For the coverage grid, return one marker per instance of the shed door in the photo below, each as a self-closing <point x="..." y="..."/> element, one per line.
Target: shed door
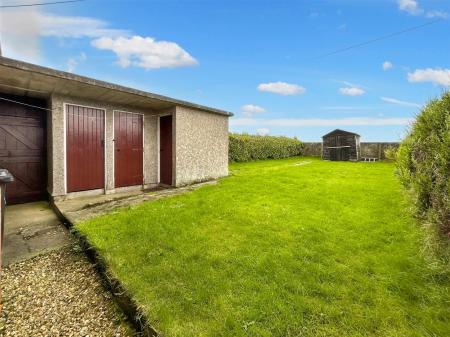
<point x="128" y="149"/>
<point x="333" y="154"/>
<point x="85" y="148"/>
<point x="165" y="134"/>
<point x="345" y="154"/>
<point x="23" y="151"/>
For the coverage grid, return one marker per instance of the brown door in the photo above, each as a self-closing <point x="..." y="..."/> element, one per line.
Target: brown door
<point x="85" y="148"/>
<point x="165" y="157"/>
<point x="334" y="154"/>
<point x="128" y="149"/>
<point x="23" y="150"/>
<point x="345" y="154"/>
<point x="334" y="151"/>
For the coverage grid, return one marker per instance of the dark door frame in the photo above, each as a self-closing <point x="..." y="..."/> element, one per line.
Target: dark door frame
<point x="160" y="159"/>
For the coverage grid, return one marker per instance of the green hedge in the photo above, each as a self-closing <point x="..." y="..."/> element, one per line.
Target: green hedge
<point x="423" y="162"/>
<point x="245" y="147"/>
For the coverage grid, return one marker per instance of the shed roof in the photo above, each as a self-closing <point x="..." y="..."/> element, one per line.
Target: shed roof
<point x="339" y="131"/>
<point x="22" y="78"/>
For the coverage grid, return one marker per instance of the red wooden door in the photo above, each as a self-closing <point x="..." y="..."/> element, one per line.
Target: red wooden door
<point x="23" y="150"/>
<point x="165" y="157"/>
<point x="85" y="148"/>
<point x="128" y="149"/>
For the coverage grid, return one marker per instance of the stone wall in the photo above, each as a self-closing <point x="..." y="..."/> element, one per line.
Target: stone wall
<point x="368" y="149"/>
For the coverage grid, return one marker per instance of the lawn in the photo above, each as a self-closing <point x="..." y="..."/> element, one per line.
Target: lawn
<point x="295" y="247"/>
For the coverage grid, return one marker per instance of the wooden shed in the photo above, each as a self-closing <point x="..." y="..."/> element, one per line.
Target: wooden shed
<point x="341" y="145"/>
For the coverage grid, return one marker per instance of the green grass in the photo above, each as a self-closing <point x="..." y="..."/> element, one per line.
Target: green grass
<point x="278" y="249"/>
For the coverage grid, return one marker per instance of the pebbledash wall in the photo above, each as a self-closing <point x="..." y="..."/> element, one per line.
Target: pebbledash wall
<point x="200" y="145"/>
<point x="368" y="149"/>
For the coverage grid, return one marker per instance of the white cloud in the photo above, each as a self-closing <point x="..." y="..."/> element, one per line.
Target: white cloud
<point x="387" y="65"/>
<point x="76" y="27"/>
<point x="399" y="102"/>
<point x="344" y="107"/>
<point x="146" y="52"/>
<point x="21" y="30"/>
<point x="249" y="109"/>
<point x="282" y="88"/>
<point x="352" y="91"/>
<point x="19" y="37"/>
<point x="262" y="131"/>
<point x="436" y="76"/>
<point x="73" y="62"/>
<point x="342" y="26"/>
<point x="412" y="7"/>
<point x="350" y="84"/>
<point x="437" y="14"/>
<point x="298" y="122"/>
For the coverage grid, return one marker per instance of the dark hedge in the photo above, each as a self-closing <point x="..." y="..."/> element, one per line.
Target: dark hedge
<point x="243" y="147"/>
<point x="423" y="162"/>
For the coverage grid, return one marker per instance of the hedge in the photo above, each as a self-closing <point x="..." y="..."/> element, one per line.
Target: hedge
<point x="244" y="147"/>
<point x="423" y="162"/>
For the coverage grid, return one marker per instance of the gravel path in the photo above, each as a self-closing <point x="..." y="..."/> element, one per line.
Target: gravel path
<point x="57" y="294"/>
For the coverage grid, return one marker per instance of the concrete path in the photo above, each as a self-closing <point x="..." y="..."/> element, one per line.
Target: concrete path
<point x="81" y="209"/>
<point x="31" y="229"/>
<point x="34" y="228"/>
<point x="48" y="286"/>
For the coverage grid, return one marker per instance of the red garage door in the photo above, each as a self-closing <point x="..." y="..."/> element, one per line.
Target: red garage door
<point x="128" y="149"/>
<point x="23" y="149"/>
<point x="85" y="148"/>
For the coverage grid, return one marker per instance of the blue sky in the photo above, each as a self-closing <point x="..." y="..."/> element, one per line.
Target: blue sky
<point x="257" y="59"/>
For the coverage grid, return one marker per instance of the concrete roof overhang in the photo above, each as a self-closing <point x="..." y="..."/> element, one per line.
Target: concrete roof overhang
<point x="25" y="79"/>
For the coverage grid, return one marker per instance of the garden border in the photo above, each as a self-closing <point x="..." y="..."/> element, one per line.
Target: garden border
<point x="111" y="284"/>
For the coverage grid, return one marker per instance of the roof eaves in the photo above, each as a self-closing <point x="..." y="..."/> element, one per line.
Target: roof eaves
<point x="339" y="130"/>
<point x="107" y="85"/>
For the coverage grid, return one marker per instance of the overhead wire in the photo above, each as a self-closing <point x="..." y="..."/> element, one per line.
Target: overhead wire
<point x="25" y="104"/>
<point x="380" y="38"/>
<point x="337" y="51"/>
<point x="40" y="4"/>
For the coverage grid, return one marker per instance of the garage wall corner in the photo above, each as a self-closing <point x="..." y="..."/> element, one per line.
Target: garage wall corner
<point x="56" y="147"/>
<point x="201" y="146"/>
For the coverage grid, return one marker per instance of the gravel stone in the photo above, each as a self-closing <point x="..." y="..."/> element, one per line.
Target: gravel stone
<point x="58" y="294"/>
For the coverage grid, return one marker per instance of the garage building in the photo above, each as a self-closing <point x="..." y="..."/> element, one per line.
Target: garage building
<point x="64" y="135"/>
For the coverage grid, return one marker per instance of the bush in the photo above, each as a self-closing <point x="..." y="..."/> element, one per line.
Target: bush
<point x="423" y="162"/>
<point x="243" y="147"/>
<point x="390" y="153"/>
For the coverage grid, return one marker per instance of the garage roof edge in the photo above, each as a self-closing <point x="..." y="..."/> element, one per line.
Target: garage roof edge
<point x="4" y="61"/>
